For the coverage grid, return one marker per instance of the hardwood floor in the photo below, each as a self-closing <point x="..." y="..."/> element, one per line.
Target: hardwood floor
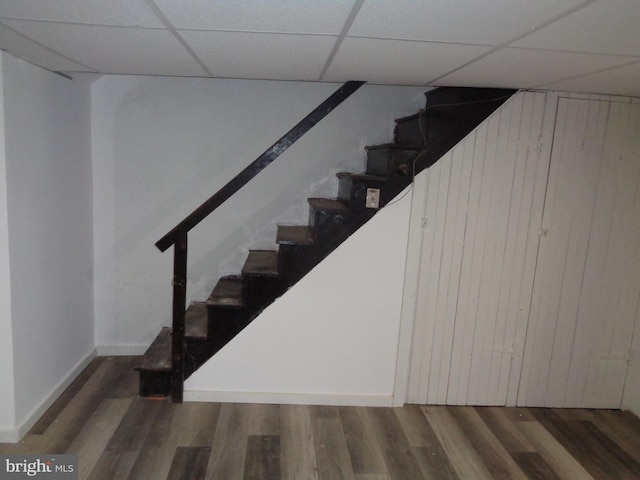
<point x="120" y="436"/>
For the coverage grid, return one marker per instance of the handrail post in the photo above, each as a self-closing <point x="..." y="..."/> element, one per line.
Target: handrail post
<point x="179" y="304"/>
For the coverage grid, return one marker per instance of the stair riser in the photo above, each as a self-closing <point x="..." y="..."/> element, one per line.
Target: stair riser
<point x="330" y="226"/>
<point x="355" y="192"/>
<point x="390" y="162"/>
<point x="154" y="383"/>
<point x="298" y="260"/>
<point x="196" y="353"/>
<point x="223" y="324"/>
<point x="262" y="291"/>
<point x="412" y="131"/>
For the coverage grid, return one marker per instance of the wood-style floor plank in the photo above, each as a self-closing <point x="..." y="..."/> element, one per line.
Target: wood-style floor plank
<point x="398" y="456"/>
<point x="553" y="452"/>
<point x="157" y="452"/>
<point x="189" y="463"/>
<point x="464" y="458"/>
<point x="95" y="435"/>
<point x="494" y="456"/>
<point x="621" y="427"/>
<point x="264" y="419"/>
<point x="505" y="429"/>
<point x="365" y="454"/>
<point x="118" y="435"/>
<point x="600" y="456"/>
<point x="197" y="423"/>
<point x="298" y="455"/>
<point x="67" y="396"/>
<point x="332" y="453"/>
<point x="263" y="458"/>
<point x="229" y="447"/>
<point x="425" y="444"/>
<point x="534" y="466"/>
<point x="123" y="448"/>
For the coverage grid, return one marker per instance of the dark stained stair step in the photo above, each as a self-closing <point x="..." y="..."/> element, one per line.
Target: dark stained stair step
<point x="328" y="205"/>
<point x="353" y="188"/>
<point x="158" y="355"/>
<point x="228" y="292"/>
<point x="195" y="322"/>
<point x="294" y="235"/>
<point x="261" y="263"/>
<point x="391" y="160"/>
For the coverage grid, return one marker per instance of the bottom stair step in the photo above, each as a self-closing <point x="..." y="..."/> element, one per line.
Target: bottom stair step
<point x="158" y="355"/>
<point x="155" y="368"/>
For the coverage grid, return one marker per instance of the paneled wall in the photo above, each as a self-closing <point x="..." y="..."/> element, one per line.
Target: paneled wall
<point x="482" y="214"/>
<point x="585" y="297"/>
<point x="510" y="307"/>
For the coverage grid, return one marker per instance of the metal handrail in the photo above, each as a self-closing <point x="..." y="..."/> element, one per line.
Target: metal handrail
<point x="177" y="236"/>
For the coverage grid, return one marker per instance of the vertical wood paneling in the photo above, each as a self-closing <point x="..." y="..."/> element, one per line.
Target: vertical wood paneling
<point x="535" y="186"/>
<point x="478" y="255"/>
<point x="587" y="282"/>
<point x="572" y="179"/>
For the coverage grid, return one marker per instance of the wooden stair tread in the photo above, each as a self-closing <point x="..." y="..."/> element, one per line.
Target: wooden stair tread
<point x="328" y="205"/>
<point x="363" y="177"/>
<point x="294" y="235"/>
<point x="195" y="321"/>
<point x="158" y="355"/>
<point x="261" y="263"/>
<point x="228" y="292"/>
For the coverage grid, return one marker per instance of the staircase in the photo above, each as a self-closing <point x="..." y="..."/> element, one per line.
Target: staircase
<point x="419" y="141"/>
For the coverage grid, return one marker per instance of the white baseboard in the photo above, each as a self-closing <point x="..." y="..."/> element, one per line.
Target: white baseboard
<point x="289" y="398"/>
<point x="121" y="350"/>
<point x="14" y="436"/>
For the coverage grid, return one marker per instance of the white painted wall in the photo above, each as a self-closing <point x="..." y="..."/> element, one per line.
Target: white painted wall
<point x="7" y="399"/>
<point x="49" y="204"/>
<point x="161" y="146"/>
<point x="333" y="338"/>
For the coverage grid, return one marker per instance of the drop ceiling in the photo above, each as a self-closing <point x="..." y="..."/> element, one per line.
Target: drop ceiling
<point x="572" y="45"/>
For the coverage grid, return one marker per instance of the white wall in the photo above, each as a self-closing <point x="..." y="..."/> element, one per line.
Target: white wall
<point x="161" y="146"/>
<point x="7" y="400"/>
<point x="333" y="338"/>
<point x="48" y="174"/>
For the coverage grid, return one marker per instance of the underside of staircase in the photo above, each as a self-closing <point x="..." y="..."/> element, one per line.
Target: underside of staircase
<point x="419" y="141"/>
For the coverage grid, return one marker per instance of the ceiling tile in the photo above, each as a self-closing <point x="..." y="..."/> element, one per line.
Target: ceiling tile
<point x="113" y="49"/>
<point x="397" y="61"/>
<point x="282" y="16"/>
<point x="488" y="22"/>
<point x="30" y="51"/>
<point x="97" y="12"/>
<point x="618" y="81"/>
<point x="523" y="68"/>
<point x="607" y="26"/>
<point x="261" y="55"/>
